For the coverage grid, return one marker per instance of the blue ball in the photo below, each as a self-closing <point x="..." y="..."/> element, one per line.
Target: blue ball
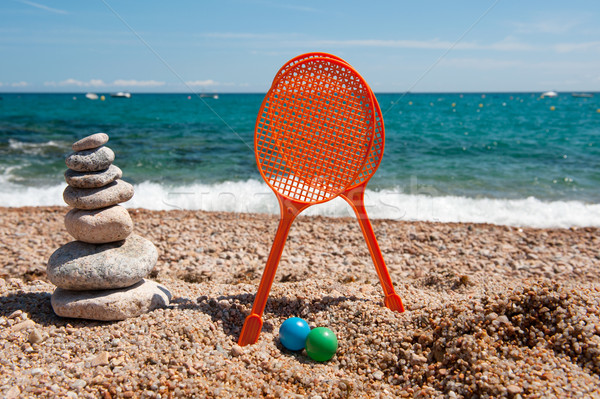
<point x="293" y="333"/>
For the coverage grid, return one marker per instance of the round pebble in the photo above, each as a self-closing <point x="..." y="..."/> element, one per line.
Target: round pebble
<point x="93" y="179"/>
<point x="99" y="226"/>
<point x="91" y="160"/>
<point x="35" y="337"/>
<point x="321" y="344"/>
<point x="293" y="333"/>
<point x="95" y="198"/>
<point x="89" y="142"/>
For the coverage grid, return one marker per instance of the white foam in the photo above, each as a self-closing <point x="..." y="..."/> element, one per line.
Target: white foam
<point x="256" y="197"/>
<point x="33" y="148"/>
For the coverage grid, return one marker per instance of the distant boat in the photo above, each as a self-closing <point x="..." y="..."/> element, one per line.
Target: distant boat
<point x="549" y="94"/>
<point x="205" y="95"/>
<point x="91" y="96"/>
<point x="582" y="95"/>
<point x="121" y="94"/>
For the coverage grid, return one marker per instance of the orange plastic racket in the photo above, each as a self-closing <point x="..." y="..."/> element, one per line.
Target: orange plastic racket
<point x="355" y="196"/>
<point x="355" y="193"/>
<point x="312" y="137"/>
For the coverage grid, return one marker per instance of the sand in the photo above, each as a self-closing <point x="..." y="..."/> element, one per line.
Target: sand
<point x="492" y="311"/>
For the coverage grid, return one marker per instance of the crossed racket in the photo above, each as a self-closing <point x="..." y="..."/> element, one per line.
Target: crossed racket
<point x="319" y="134"/>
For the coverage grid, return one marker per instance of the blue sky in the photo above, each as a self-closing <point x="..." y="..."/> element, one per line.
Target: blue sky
<point x="237" y="46"/>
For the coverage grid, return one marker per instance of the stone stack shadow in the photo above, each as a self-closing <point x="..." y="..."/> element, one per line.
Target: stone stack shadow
<point x="101" y="276"/>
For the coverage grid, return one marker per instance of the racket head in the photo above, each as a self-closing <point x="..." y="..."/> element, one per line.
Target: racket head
<point x="376" y="154"/>
<point x="303" y="57"/>
<point x="314" y="130"/>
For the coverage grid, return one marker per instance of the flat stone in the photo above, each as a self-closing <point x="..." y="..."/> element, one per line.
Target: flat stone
<point x="24" y="325"/>
<point x="514" y="389"/>
<point x="93" y="179"/>
<point x="12" y="393"/>
<point x="101" y="197"/>
<point x="100" y="360"/>
<point x="16" y="314"/>
<point x="109" y="305"/>
<point x="82" y="266"/>
<point x="99" y="226"/>
<point x="91" y="160"/>
<point x="89" y="142"/>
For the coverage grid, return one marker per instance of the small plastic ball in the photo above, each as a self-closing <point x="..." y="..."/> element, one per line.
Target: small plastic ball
<point x="293" y="333"/>
<point x="321" y="344"/>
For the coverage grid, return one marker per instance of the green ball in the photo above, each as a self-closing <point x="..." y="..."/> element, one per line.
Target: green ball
<point x="321" y="344"/>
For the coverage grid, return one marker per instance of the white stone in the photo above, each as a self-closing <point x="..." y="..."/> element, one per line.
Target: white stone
<point x="99" y="226"/>
<point x="111" y="305"/>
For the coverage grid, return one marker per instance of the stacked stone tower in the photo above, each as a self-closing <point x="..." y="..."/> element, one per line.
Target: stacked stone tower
<point x="101" y="276"/>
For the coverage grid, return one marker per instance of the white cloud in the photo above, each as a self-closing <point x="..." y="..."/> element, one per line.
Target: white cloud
<point x="555" y="67"/>
<point x="137" y="83"/>
<point x="78" y="83"/>
<point x="508" y="44"/>
<point x="288" y="6"/>
<point x="420" y="44"/>
<point x="240" y="35"/>
<point x="547" y="26"/>
<point x="207" y="82"/>
<point x="101" y="83"/>
<point x="43" y="7"/>
<point x="480" y="63"/>
<point x="585" y="46"/>
<point x="19" y="84"/>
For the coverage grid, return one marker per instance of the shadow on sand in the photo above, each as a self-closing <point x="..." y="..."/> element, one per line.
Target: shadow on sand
<point x="231" y="310"/>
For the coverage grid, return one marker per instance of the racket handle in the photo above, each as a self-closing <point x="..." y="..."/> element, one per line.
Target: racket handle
<point x="253" y="323"/>
<point x="355" y="197"/>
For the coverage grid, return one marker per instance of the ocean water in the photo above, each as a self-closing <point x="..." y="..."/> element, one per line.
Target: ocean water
<point x="510" y="158"/>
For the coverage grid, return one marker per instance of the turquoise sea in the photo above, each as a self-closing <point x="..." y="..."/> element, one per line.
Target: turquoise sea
<point x="504" y="158"/>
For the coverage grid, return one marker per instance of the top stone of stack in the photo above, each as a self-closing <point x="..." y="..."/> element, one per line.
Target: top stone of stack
<point x="90" y="142"/>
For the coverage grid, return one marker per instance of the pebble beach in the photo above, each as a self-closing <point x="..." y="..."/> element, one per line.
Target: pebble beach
<point x="491" y="311"/>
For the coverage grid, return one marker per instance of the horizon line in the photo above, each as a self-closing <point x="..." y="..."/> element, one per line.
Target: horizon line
<point x="264" y="92"/>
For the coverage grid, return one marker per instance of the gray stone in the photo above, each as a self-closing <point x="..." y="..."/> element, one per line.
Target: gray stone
<point x="91" y="160"/>
<point x="108" y="305"/>
<point x="82" y="266"/>
<point x="93" y="179"/>
<point x="101" y="197"/>
<point x="99" y="226"/>
<point x="89" y="142"/>
<point x="35" y="337"/>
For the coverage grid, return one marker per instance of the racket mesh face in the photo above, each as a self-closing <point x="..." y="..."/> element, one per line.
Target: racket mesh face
<point x="376" y="153"/>
<point x="314" y="130"/>
<point x="301" y="58"/>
